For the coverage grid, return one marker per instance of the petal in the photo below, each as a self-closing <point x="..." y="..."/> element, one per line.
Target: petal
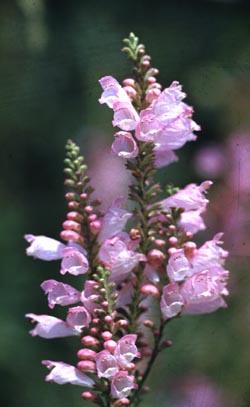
<point x="62" y="373"/>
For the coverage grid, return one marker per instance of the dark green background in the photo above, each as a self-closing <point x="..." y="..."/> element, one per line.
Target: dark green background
<point x="52" y="54"/>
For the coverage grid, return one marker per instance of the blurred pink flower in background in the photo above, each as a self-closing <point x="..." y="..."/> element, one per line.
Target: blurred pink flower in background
<point x="231" y="203"/>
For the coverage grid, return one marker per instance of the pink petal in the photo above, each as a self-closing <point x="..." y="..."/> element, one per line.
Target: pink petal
<point x="50" y="327"/>
<point x="44" y="248"/>
<point x="63" y="373"/>
<point x="124" y="145"/>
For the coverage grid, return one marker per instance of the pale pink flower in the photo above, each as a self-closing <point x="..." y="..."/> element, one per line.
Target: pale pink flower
<point x="44" y="248"/>
<point x="50" y="327"/>
<point x="171" y="301"/>
<point x="122" y="384"/>
<point x="114" y="220"/>
<point x="90" y="296"/>
<point x="202" y="293"/>
<point x="163" y="157"/>
<point x="74" y="262"/>
<point x="190" y="198"/>
<point x="191" y="221"/>
<point x="62" y="373"/>
<point x="126" y="350"/>
<point x="178" y="267"/>
<point x="114" y="253"/>
<point x="78" y="318"/>
<point x="209" y="254"/>
<point x="106" y="364"/>
<point x="59" y="293"/>
<point x="125" y="115"/>
<point x="124" y="145"/>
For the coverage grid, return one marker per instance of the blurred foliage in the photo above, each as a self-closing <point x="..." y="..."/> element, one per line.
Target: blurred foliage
<point x="52" y="54"/>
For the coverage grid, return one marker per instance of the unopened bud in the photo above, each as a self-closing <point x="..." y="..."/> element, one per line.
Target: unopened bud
<point x="146" y="352"/>
<point x="172" y="228"/>
<point x="122" y="323"/>
<point x="148" y="323"/>
<point x="95" y="226"/>
<point x="172" y="250"/>
<point x="189" y="248"/>
<point x="86" y="366"/>
<point x="145" y="63"/>
<point x="121" y="402"/>
<point x="86" y="354"/>
<point x="73" y="205"/>
<point x="150" y="289"/>
<point x="131" y="92"/>
<point x="156" y="257"/>
<point x="94" y="330"/>
<point x="159" y="242"/>
<point x="89" y="340"/>
<point x="173" y="240"/>
<point x="110" y="345"/>
<point x="89" y="395"/>
<point x="108" y="319"/>
<point x="134" y="234"/>
<point x="75" y="216"/>
<point x="71" y="235"/>
<point x="128" y="82"/>
<point x="83" y="196"/>
<point x="72" y="225"/>
<point x="151" y="79"/>
<point x="88" y="209"/>
<point x="106" y="335"/>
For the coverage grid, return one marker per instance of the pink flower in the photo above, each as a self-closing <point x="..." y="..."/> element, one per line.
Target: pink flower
<point x="125" y="115"/>
<point x="122" y="384"/>
<point x="190" y="198"/>
<point x="202" y="293"/>
<point x="209" y="254"/>
<point x="191" y="221"/>
<point x="126" y="350"/>
<point x="59" y="293"/>
<point x="114" y="253"/>
<point x="50" y="327"/>
<point x="124" y="145"/>
<point x="90" y="296"/>
<point x="171" y="301"/>
<point x="74" y="262"/>
<point x="164" y="157"/>
<point x="78" y="318"/>
<point x="62" y="373"/>
<point x="178" y="267"/>
<point x="44" y="248"/>
<point x="106" y="364"/>
<point x="114" y="220"/>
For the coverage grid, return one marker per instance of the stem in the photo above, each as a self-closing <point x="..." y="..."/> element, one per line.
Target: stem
<point x="135" y="399"/>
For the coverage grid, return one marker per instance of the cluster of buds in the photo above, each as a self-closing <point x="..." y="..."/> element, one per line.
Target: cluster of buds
<point x="130" y="259"/>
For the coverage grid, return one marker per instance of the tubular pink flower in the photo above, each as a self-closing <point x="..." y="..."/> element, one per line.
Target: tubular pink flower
<point x="78" y="318"/>
<point x="114" y="220"/>
<point x="171" y="301"/>
<point x="125" y="116"/>
<point x="106" y="364"/>
<point x="124" y="145"/>
<point x="49" y="327"/>
<point x="74" y="262"/>
<point x="122" y="384"/>
<point x="178" y="267"/>
<point x="191" y="221"/>
<point x="59" y="293"/>
<point x="44" y="248"/>
<point x="202" y="293"/>
<point x="190" y="198"/>
<point x="90" y="296"/>
<point x="62" y="373"/>
<point x="126" y="350"/>
<point x="114" y="253"/>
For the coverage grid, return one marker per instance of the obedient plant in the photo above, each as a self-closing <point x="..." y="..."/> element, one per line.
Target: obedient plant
<point x="128" y="261"/>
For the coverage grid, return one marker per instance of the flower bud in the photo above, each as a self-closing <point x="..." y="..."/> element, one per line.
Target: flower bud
<point x="73" y="205"/>
<point x="108" y="319"/>
<point x="150" y="289"/>
<point x="89" y="340"/>
<point x="173" y="240"/>
<point x="75" y="216"/>
<point x="89" y="395"/>
<point x="128" y="82"/>
<point x="83" y="196"/>
<point x="71" y="235"/>
<point x="86" y="366"/>
<point x="86" y="354"/>
<point x="72" y="225"/>
<point x="106" y="335"/>
<point x="156" y="257"/>
<point x="110" y="345"/>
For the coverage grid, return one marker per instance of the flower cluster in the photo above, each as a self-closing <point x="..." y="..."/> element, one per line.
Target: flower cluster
<point x="129" y="259"/>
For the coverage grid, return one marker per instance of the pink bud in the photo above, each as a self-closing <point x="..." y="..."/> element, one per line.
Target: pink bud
<point x="131" y="92"/>
<point x="172" y="228"/>
<point x="75" y="216"/>
<point x="70" y="196"/>
<point x="88" y="209"/>
<point x="110" y="345"/>
<point x="105" y="304"/>
<point x="96" y="321"/>
<point x="83" y="196"/>
<point x="86" y="366"/>
<point x="73" y="205"/>
<point x="151" y="79"/>
<point x="72" y="225"/>
<point x="148" y="323"/>
<point x="106" y="335"/>
<point x="86" y="354"/>
<point x="146" y="352"/>
<point x="189" y="248"/>
<point x="145" y="64"/>
<point x="94" y="330"/>
<point x="71" y="235"/>
<point x="108" y="319"/>
<point x="128" y="82"/>
<point x="172" y="250"/>
<point x="159" y="242"/>
<point x="155" y="257"/>
<point x="95" y="226"/>
<point x="150" y="289"/>
<point x="122" y="323"/>
<point x="89" y="340"/>
<point x="89" y="395"/>
<point x="122" y="402"/>
<point x="92" y="217"/>
<point x="173" y="240"/>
